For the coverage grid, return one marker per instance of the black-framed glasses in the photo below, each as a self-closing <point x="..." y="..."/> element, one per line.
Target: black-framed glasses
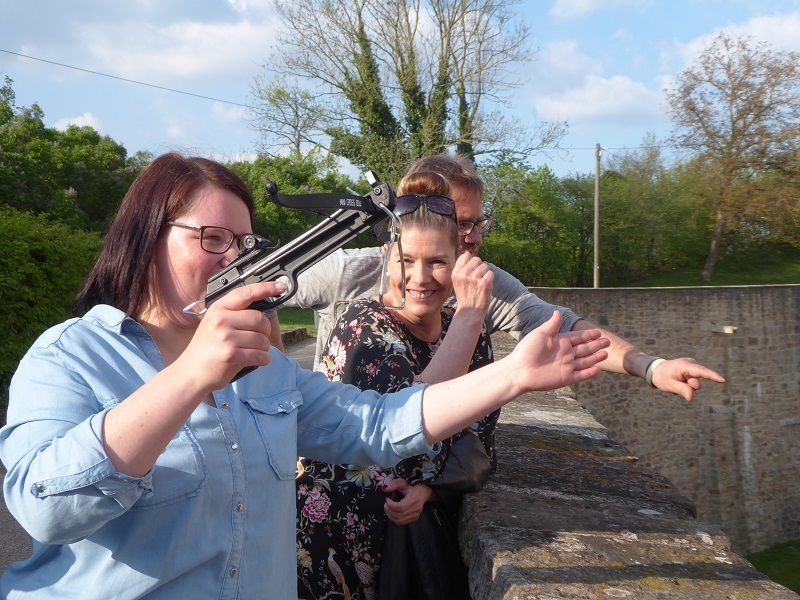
<point x="441" y="205"/>
<point x="483" y="224"/>
<point x="213" y="239"/>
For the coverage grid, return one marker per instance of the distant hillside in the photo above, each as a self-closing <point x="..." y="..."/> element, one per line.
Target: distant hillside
<point x="763" y="265"/>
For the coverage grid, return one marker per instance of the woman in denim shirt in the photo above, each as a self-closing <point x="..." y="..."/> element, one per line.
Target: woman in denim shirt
<point x="135" y="465"/>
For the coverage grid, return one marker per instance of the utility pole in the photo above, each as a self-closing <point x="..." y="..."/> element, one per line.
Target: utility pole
<point x="597" y="154"/>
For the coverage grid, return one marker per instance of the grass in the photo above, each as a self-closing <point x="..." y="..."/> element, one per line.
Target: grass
<point x="758" y="266"/>
<point x="294" y="318"/>
<point x="780" y="563"/>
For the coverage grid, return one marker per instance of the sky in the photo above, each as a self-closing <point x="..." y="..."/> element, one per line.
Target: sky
<point x="599" y="65"/>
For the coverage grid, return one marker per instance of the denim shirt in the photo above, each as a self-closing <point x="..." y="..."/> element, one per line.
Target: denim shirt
<point x="215" y="517"/>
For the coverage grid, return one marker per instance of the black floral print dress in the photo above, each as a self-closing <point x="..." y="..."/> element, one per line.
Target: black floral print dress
<point x="340" y="518"/>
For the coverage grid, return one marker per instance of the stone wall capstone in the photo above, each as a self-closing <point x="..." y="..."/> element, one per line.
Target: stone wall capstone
<point x="571" y="513"/>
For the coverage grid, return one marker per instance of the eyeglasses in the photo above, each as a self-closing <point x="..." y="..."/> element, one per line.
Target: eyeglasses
<point x="441" y="205"/>
<point x="483" y="224"/>
<point x="216" y="240"/>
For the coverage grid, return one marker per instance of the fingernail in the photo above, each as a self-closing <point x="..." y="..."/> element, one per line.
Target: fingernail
<point x="281" y="286"/>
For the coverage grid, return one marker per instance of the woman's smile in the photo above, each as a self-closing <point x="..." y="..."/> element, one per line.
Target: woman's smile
<point x="419" y="294"/>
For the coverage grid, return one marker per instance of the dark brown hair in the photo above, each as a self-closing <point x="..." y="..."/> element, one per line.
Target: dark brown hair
<point x="163" y="191"/>
<point x="428" y="183"/>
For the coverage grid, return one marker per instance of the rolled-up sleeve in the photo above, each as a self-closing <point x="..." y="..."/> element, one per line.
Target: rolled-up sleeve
<point x="517" y="311"/>
<point x="338" y="423"/>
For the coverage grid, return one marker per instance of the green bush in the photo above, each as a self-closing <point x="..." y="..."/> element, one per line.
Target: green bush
<point x="42" y="266"/>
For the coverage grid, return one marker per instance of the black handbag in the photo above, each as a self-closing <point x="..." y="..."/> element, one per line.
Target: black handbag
<point x="421" y="560"/>
<point x="467" y="467"/>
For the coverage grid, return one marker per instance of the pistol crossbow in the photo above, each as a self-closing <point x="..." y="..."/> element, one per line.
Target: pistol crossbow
<point x="258" y="261"/>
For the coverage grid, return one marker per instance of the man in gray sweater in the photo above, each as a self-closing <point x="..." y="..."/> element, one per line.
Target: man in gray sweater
<point x="348" y="274"/>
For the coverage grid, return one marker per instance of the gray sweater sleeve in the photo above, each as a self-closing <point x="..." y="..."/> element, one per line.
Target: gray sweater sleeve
<point x="516" y="310"/>
<point x="334" y="281"/>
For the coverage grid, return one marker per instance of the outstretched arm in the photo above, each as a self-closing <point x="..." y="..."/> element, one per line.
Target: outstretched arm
<point x="681" y="376"/>
<point x="516" y="310"/>
<point x="543" y="360"/>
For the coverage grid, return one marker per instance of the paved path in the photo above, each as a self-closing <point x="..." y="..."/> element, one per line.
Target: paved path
<point x="16" y="545"/>
<point x="303" y="351"/>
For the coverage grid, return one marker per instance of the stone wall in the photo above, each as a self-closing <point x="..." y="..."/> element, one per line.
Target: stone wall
<point x="735" y="451"/>
<point x="572" y="514"/>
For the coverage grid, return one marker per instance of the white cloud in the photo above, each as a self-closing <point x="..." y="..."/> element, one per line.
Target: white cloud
<point x="226" y="114"/>
<point x="559" y="66"/>
<point x="252" y="6"/>
<point x="562" y="61"/>
<point x="175" y="129"/>
<point x="781" y="31"/>
<point x="570" y="85"/>
<point x="179" y="51"/>
<point x="84" y="120"/>
<point x="617" y="99"/>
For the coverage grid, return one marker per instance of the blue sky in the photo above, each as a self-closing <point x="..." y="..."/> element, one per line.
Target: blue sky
<point x="600" y="65"/>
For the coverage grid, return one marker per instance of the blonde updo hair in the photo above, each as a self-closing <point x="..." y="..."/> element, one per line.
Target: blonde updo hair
<point x="428" y="183"/>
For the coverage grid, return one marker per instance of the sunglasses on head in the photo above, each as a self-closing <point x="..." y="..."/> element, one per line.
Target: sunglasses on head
<point x="441" y="205"/>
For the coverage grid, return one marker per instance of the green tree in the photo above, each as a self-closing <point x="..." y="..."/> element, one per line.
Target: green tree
<point x="27" y="168"/>
<point x="287" y="117"/>
<point x="577" y="217"/>
<point x="94" y="171"/>
<point x="530" y="238"/>
<point x="736" y="113"/>
<point x="42" y="266"/>
<point x="293" y="174"/>
<point x="77" y="176"/>
<point x="388" y="82"/>
<point x="650" y="217"/>
<point x="7" y="99"/>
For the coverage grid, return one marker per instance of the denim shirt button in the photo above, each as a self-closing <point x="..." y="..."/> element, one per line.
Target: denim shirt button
<point x="234" y="571"/>
<point x="225" y="405"/>
<point x="234" y="446"/>
<point x="239" y="506"/>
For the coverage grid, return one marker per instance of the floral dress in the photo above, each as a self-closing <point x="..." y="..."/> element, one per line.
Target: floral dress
<point x="340" y="518"/>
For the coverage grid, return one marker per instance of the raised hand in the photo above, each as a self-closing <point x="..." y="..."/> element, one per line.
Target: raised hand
<point x="546" y="359"/>
<point x="543" y="360"/>
<point x="230" y="336"/>
<point x="472" y="283"/>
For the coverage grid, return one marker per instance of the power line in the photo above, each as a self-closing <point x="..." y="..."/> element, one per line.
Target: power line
<point x="152" y="85"/>
<point x="232" y="103"/>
